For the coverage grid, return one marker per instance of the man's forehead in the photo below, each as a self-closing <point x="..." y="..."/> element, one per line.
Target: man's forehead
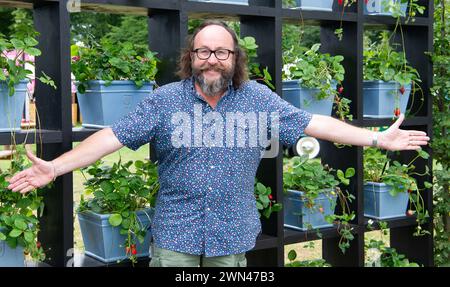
<point x="214" y="35"/>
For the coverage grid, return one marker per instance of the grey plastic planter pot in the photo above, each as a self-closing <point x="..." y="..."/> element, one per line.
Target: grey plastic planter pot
<point x="104" y="242"/>
<point x="315" y="5"/>
<point x="11" y="108"/>
<point x="377" y="7"/>
<point x="11" y="257"/>
<point x="303" y="98"/>
<point x="103" y="105"/>
<point x="298" y="216"/>
<point x="380" y="204"/>
<point x="379" y="98"/>
<point x="236" y="2"/>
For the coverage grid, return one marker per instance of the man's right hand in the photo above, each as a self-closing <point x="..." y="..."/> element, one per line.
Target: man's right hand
<point x="38" y="175"/>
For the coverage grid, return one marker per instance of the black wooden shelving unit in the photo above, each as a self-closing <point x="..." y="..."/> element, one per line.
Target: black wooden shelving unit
<point x="262" y="19"/>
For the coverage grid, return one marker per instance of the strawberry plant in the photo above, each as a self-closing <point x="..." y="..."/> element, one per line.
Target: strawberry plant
<point x="110" y="61"/>
<point x="317" y="70"/>
<point x="313" y="178"/>
<point x="19" y="213"/>
<point x="264" y="200"/>
<point x="379" y="168"/>
<point x="120" y="192"/>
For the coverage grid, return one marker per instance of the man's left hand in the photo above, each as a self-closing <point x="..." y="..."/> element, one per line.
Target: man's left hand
<point x="395" y="138"/>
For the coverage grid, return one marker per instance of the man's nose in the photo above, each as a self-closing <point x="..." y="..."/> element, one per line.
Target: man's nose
<point x="212" y="59"/>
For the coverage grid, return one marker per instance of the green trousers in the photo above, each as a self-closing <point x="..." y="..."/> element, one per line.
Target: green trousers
<point x="167" y="258"/>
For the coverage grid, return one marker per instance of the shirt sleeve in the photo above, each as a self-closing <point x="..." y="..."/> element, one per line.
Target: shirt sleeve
<point x="292" y="120"/>
<point x="139" y="126"/>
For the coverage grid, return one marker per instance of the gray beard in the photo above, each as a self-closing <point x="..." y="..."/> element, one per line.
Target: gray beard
<point x="215" y="87"/>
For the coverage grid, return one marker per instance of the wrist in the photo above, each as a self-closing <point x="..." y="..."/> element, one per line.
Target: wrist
<point x="55" y="175"/>
<point x="375" y="139"/>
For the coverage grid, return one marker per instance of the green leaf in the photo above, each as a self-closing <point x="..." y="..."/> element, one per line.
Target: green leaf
<point x="259" y="205"/>
<point x="2" y="236"/>
<point x="31" y="42"/>
<point x="29" y="237"/>
<point x="107" y="186"/>
<point x="292" y="255"/>
<point x="33" y="51"/>
<point x="115" y="219"/>
<point x="15" y="233"/>
<point x="349" y="172"/>
<point x="20" y="224"/>
<point x="18" y="44"/>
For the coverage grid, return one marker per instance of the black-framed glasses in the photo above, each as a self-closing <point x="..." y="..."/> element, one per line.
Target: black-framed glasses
<point x="205" y="53"/>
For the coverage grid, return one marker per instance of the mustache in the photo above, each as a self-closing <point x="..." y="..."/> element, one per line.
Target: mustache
<point x="211" y="68"/>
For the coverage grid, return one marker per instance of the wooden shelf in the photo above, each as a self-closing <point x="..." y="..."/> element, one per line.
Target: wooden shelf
<point x="416" y="121"/>
<point x="80" y="134"/>
<point x="292" y="236"/>
<point x="28" y="137"/>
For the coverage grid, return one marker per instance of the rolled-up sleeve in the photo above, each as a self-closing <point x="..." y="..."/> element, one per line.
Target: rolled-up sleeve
<point x="139" y="126"/>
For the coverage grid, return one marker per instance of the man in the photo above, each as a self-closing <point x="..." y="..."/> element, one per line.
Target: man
<point x="206" y="212"/>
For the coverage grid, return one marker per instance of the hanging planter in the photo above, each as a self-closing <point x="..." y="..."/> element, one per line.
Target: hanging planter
<point x="111" y="78"/>
<point x="384" y="7"/>
<point x="236" y="2"/>
<point x="380" y="204"/>
<point x="102" y="105"/>
<point x="104" y="241"/>
<point x="10" y="257"/>
<point x="11" y="107"/>
<point x="300" y="216"/>
<point x="381" y="99"/>
<point x="310" y="80"/>
<point x="305" y="98"/>
<point x="315" y="5"/>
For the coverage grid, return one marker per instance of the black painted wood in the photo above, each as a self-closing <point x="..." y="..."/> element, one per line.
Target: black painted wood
<point x="52" y="21"/>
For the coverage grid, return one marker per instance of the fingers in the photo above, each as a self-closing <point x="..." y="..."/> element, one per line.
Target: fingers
<point x="399" y="121"/>
<point x="417" y="143"/>
<point x="16" y="177"/>
<point x="12" y="185"/>
<point x="21" y="186"/>
<point x="416" y="133"/>
<point x="413" y="147"/>
<point x="28" y="189"/>
<point x="34" y="159"/>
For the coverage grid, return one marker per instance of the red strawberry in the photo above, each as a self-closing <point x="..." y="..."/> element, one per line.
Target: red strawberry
<point x="341" y="90"/>
<point x="340" y="2"/>
<point x="133" y="251"/>
<point x="270" y="196"/>
<point x="397" y="112"/>
<point x="366" y="1"/>
<point x="38" y="245"/>
<point x="402" y="90"/>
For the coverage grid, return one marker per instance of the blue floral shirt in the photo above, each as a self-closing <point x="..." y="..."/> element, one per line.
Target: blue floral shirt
<point x="206" y="203"/>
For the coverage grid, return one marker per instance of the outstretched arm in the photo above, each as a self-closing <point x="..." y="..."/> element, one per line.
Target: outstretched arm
<point x="87" y="152"/>
<point x="394" y="138"/>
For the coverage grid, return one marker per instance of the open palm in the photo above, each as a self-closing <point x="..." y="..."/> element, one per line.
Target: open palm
<point x="39" y="174"/>
<point x="395" y="138"/>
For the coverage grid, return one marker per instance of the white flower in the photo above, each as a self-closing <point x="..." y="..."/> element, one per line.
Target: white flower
<point x="373" y="256"/>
